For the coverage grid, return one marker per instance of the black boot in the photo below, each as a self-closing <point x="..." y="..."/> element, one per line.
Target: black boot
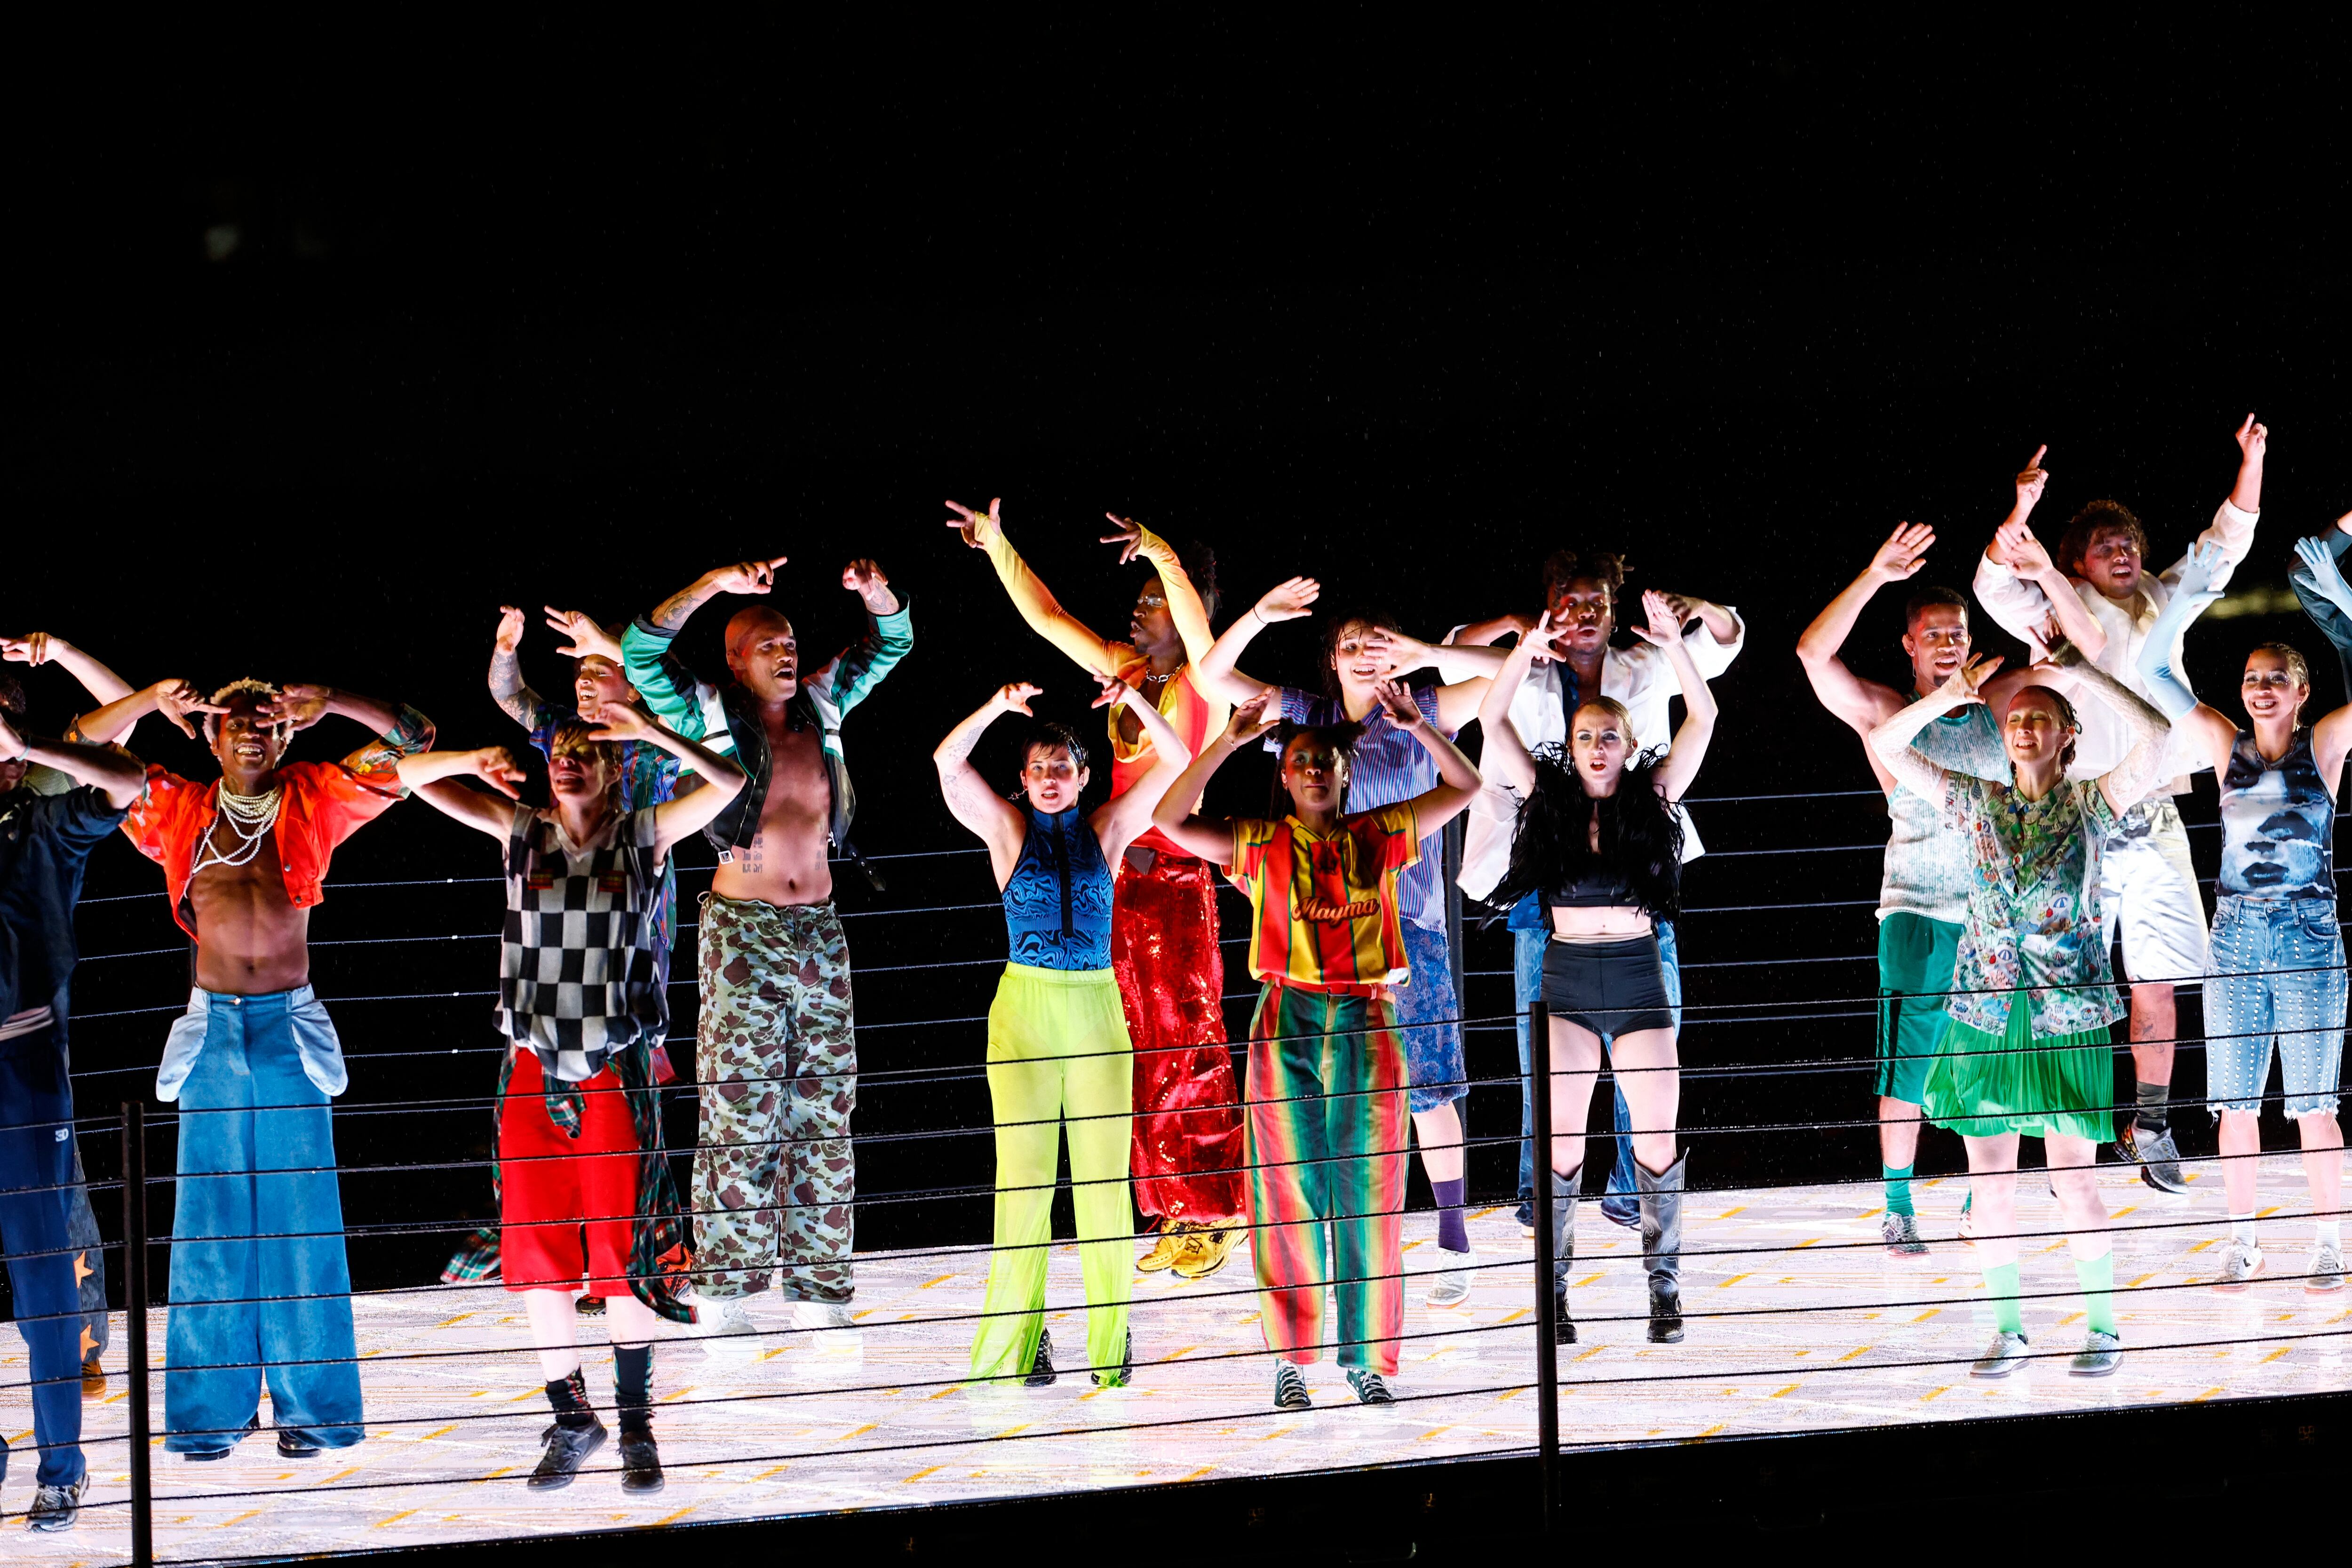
<point x="1563" y="1250"/>
<point x="633" y="1389"/>
<point x="1040" y="1371"/>
<point x="641" y="1468"/>
<point x="1662" y="1248"/>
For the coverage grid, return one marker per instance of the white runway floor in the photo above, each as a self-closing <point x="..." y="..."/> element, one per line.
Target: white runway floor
<point x="1824" y="1335"/>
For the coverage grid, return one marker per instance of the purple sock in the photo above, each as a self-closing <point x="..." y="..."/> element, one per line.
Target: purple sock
<point x="1452" y="1233"/>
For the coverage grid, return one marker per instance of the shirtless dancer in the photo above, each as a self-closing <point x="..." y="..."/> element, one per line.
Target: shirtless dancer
<point x="1923" y="899"/>
<point x="774" y="1180"/>
<point x="255" y="1063"/>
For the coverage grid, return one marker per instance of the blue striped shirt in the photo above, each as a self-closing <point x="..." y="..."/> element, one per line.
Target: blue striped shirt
<point x="1390" y="766"/>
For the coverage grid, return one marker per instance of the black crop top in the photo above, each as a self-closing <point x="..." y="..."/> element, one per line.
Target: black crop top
<point x="1597" y="886"/>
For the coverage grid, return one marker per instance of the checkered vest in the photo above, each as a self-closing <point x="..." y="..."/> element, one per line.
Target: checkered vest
<point x="579" y="982"/>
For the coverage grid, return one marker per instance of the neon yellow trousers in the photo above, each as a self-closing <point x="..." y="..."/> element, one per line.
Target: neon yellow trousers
<point x="1057" y="1047"/>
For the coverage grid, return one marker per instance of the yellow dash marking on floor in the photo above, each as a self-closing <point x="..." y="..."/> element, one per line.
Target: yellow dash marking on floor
<point x="1595" y="1350"/>
<point x="1785" y="1392"/>
<point x="919" y="1475"/>
<point x="1409" y="1245"/>
<point x="1511" y="1317"/>
<point x="1426" y="1437"/>
<point x="395" y="1519"/>
<point x="1867" y="1213"/>
<point x="681" y="1394"/>
<point x="2123" y="1211"/>
<point x="1180" y="1355"/>
<point x="2266" y="1214"/>
<point x="1802" y="1353"/>
<point x="2068" y="1318"/>
<point x="1008" y="1431"/>
<point x="1928" y="1314"/>
<point x="1728" y="1213"/>
<point x="240" y="1519"/>
<point x="20" y="1436"/>
<point x="1475" y="1213"/>
<point x="672" y="1519"/>
<point x="2204" y="1243"/>
<point x="854" y="1316"/>
<point x="494" y="1475"/>
<point x="1512" y="1393"/>
<point x="1211" y="1469"/>
<point x="771" y="1470"/>
<point x="1858" y="1350"/>
<point x="2275" y="1354"/>
<point x="940" y="1280"/>
<point x="2140" y="1282"/>
<point x="518" y="1399"/>
<point x="942" y="1393"/>
<point x="1588" y="1279"/>
<point x="1933" y="1392"/>
<point x="869" y="1426"/>
<point x="443" y="1433"/>
<point x="2204" y="1396"/>
<point x="453" y="1323"/>
<point x="1809" y="1241"/>
<point x="1713" y="1430"/>
<point x="1727" y="1284"/>
<point x="339" y="1475"/>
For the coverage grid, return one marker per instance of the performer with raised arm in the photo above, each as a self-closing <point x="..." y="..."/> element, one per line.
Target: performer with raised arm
<point x="1923" y="896"/>
<point x="2026" y="1052"/>
<point x="259" y="1274"/>
<point x="1326" y="1106"/>
<point x="1164" y="930"/>
<point x="1391" y="762"/>
<point x="1599" y="842"/>
<point x="2317" y="578"/>
<point x="774" y="1176"/>
<point x="1580" y="590"/>
<point x="44" y="841"/>
<point x="584" y="1195"/>
<point x="1058" y="1037"/>
<point x="2105" y="603"/>
<point x="2278" y="957"/>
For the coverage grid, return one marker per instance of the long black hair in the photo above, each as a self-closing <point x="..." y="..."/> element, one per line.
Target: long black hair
<point x="1641" y="836"/>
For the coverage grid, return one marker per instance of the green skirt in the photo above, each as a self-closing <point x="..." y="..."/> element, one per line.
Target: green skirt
<point x="1983" y="1085"/>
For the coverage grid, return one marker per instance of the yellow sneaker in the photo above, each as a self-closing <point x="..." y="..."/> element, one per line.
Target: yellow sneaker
<point x="1206" y="1250"/>
<point x="1166" y="1249"/>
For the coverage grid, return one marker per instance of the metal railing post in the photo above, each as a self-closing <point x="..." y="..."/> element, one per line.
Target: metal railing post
<point x="135" y="1319"/>
<point x="1547" y="1308"/>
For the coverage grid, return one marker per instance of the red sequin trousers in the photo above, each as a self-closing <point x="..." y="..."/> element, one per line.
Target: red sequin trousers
<point x="1189" y="1162"/>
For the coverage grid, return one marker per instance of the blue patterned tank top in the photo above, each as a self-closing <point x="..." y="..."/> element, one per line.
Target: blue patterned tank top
<point x="1057" y="901"/>
<point x="2278" y="825"/>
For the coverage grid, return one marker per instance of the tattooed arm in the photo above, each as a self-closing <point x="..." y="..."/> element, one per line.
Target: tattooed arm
<point x="519" y="702"/>
<point x="743" y="578"/>
<point x="996" y="820"/>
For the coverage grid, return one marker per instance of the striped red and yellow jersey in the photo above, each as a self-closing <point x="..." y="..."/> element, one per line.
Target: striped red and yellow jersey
<point x="1324" y="905"/>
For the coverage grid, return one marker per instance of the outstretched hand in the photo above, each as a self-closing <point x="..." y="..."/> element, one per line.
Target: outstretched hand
<point x="2030" y="482"/>
<point x="1289" y="600"/>
<point x="2326" y="575"/>
<point x="176" y="699"/>
<point x="1539" y="640"/>
<point x="2206" y="563"/>
<point x="296" y="707"/>
<point x="1252" y="719"/>
<point x="1128" y="536"/>
<point x="1013" y="697"/>
<point x="1966" y="683"/>
<point x="1905" y="550"/>
<point x="32" y="648"/>
<point x="2022" y="551"/>
<point x="1405" y="654"/>
<point x="753" y="576"/>
<point x="508" y="635"/>
<point x="865" y="578"/>
<point x="980" y="528"/>
<point x="1665" y="627"/>
<point x="2254" y="440"/>
<point x="617" y="721"/>
<point x="1114" y="693"/>
<point x="1396" y="700"/>
<point x="587" y="638"/>
<point x="496" y="766"/>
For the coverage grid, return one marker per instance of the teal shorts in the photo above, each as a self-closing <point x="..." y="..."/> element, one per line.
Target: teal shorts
<point x="1916" y="956"/>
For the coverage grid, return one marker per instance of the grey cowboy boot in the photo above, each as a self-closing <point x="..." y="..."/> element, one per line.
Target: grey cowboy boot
<point x="1563" y="1250"/>
<point x="1662" y="1248"/>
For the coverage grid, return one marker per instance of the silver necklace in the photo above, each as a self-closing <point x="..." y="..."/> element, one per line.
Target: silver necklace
<point x="250" y="817"/>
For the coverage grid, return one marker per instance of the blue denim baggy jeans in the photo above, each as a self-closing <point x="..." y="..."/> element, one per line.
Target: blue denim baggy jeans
<point x="1526" y="988"/>
<point x="259" y="1278"/>
<point x="37" y="1189"/>
<point x="2277" y="973"/>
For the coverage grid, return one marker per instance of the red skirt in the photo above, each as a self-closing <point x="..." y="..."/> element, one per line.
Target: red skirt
<point x="567" y="1206"/>
<point x="1188" y="1158"/>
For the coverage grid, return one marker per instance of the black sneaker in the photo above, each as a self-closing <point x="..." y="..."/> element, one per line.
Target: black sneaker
<point x="55" y="1507"/>
<point x="1369" y="1389"/>
<point x="1291" y="1388"/>
<point x="207" y="1456"/>
<point x="1563" y="1326"/>
<point x="292" y="1445"/>
<point x="641" y="1468"/>
<point x="1040" y="1371"/>
<point x="567" y="1448"/>
<point x="1126" y="1373"/>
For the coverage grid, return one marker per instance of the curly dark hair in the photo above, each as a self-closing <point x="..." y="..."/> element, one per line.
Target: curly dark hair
<point x="1340" y="738"/>
<point x="1562" y="567"/>
<point x="2085" y="526"/>
<point x="1200" y="564"/>
<point x="1369" y="618"/>
<point x="1639" y="838"/>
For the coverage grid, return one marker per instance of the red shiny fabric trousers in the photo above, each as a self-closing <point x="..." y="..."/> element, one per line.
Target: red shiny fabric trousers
<point x="1188" y="1157"/>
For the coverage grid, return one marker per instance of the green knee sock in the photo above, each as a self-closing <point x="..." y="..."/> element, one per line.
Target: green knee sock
<point x="2000" y="1278"/>
<point x="1898" y="1187"/>
<point x="2097" y="1278"/>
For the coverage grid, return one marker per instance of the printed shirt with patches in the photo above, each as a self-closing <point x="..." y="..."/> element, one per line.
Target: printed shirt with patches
<point x="2033" y="907"/>
<point x="323" y="803"/>
<point x="1324" y="905"/>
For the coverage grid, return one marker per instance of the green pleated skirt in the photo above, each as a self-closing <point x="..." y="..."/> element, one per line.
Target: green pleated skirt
<point x="1984" y="1085"/>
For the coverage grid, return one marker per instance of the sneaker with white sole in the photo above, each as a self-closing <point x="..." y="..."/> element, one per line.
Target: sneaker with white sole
<point x="2101" y="1353"/>
<point x="2004" y="1355"/>
<point x="2241" y="1261"/>
<point x="1370" y="1388"/>
<point x="717" y="1318"/>
<point x="1291" y="1388"/>
<point x="1452" y="1286"/>
<point x="821" y="1315"/>
<point x="2159" y="1161"/>
<point x="1901" y="1233"/>
<point x="2326" y="1271"/>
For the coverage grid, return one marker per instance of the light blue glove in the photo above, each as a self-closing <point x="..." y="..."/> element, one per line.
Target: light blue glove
<point x="2165" y="686"/>
<point x="2326" y="575"/>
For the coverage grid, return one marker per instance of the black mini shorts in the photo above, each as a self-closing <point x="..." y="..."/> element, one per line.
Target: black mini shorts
<point x="1610" y="987"/>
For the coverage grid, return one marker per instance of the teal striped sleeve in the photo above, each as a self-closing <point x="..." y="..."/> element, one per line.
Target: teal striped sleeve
<point x="860" y="668"/>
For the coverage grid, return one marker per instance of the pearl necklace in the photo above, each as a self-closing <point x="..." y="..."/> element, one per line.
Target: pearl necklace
<point x="249" y="818"/>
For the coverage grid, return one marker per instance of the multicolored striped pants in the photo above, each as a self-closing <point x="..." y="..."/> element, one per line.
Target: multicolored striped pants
<point x="1327" y="1145"/>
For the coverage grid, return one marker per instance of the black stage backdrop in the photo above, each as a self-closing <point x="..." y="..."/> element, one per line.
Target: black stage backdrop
<point x="313" y="372"/>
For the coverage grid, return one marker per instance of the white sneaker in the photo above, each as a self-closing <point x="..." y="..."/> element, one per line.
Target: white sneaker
<point x="2326" y="1270"/>
<point x="722" y="1318"/>
<point x="821" y="1315"/>
<point x="2241" y="1261"/>
<point x="1452" y="1286"/>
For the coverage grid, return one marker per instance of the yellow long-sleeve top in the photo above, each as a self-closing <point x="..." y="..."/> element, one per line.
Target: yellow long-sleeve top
<point x="1189" y="714"/>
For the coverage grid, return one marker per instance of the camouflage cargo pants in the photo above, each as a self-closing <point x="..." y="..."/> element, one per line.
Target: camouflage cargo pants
<point x="774" y="1180"/>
